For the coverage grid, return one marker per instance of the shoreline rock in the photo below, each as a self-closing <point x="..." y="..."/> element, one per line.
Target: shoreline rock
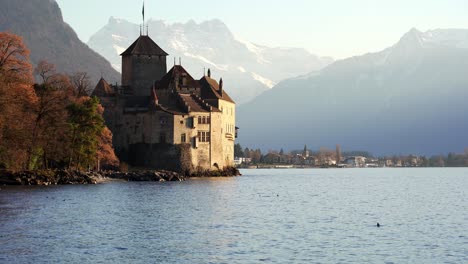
<point x="47" y="177"/>
<point x="145" y="176"/>
<point x="68" y="177"/>
<point x="227" y="172"/>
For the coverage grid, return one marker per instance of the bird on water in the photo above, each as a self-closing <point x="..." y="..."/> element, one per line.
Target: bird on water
<point x="378" y="224"/>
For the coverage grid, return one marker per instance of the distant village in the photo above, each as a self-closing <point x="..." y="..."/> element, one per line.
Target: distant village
<point x="326" y="158"/>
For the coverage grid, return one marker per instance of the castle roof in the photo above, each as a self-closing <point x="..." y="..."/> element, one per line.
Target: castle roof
<point x="144" y="45"/>
<point x="177" y="72"/>
<point x="192" y="103"/>
<point x="210" y="90"/>
<point x="196" y="104"/>
<point x="103" y="89"/>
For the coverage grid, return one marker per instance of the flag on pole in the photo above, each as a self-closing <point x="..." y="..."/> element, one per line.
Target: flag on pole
<point x="143" y="11"/>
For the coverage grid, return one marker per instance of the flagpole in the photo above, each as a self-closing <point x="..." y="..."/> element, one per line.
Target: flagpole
<point x="143" y="13"/>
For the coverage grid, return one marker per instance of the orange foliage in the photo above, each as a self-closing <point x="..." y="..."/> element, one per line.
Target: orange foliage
<point x="49" y="133"/>
<point x="106" y="155"/>
<point x="17" y="97"/>
<point x="34" y="128"/>
<point x="14" y="59"/>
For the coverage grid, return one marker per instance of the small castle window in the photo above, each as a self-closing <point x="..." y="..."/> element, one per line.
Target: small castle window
<point x="190" y="122"/>
<point x="162" y="138"/>
<point x="183" y="138"/>
<point x="204" y="136"/>
<point x="194" y="142"/>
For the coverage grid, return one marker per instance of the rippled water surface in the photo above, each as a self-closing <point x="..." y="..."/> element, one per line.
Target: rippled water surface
<point x="266" y="216"/>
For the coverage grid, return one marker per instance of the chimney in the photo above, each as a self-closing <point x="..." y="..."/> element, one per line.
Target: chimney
<point x="209" y="73"/>
<point x="221" y="86"/>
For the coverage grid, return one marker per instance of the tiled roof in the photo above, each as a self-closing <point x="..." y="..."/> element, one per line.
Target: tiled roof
<point x="210" y="90"/>
<point x="144" y="45"/>
<point x="103" y="89"/>
<point x="173" y="74"/>
<point x="192" y="103"/>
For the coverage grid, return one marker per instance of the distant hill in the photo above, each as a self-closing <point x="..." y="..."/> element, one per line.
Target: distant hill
<point x="409" y="98"/>
<point x="246" y="68"/>
<point x="48" y="37"/>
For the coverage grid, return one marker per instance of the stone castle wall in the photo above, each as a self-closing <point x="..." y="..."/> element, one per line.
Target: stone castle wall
<point x="160" y="156"/>
<point x="141" y="71"/>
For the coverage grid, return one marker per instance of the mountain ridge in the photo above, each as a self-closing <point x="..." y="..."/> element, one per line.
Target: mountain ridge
<point x="41" y="24"/>
<point x="247" y="69"/>
<point x="409" y="94"/>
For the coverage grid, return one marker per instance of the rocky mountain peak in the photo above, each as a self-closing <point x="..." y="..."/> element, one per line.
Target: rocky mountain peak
<point x="247" y="69"/>
<point x="408" y="98"/>
<point x="412" y="39"/>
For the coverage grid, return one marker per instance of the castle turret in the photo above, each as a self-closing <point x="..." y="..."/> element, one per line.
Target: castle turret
<point x="143" y="63"/>
<point x="103" y="89"/>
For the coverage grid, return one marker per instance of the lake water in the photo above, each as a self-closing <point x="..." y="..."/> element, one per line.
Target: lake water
<point x="265" y="216"/>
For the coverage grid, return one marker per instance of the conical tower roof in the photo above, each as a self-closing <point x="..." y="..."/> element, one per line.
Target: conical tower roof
<point x="144" y="45"/>
<point x="103" y="89"/>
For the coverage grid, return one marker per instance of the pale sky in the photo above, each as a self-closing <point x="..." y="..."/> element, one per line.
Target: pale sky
<point x="337" y="28"/>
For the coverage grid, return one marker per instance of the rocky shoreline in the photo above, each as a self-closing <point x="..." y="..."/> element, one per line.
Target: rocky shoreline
<point x="63" y="177"/>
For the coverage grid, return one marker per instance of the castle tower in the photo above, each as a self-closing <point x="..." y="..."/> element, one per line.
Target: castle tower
<point x="143" y="63"/>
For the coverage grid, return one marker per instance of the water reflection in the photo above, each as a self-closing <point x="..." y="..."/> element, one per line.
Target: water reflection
<point x="271" y="216"/>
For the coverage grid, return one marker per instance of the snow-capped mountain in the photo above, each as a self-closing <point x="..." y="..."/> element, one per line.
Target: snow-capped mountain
<point x="246" y="68"/>
<point x="409" y="98"/>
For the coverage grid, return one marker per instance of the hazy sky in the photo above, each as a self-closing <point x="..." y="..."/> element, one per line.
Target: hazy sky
<point x="338" y="28"/>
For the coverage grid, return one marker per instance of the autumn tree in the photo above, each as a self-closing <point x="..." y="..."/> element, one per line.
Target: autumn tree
<point x="256" y="156"/>
<point x="82" y="84"/>
<point x="338" y="154"/>
<point x="16" y="98"/>
<point x="14" y="59"/>
<point x="49" y="126"/>
<point x="106" y="158"/>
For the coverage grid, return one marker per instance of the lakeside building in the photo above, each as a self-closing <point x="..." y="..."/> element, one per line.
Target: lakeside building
<point x="167" y="119"/>
<point x="355" y="161"/>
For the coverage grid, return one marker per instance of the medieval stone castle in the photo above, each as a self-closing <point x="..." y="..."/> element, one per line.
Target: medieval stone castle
<point x="167" y="120"/>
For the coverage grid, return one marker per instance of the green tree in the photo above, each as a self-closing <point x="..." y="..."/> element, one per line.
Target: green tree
<point x="238" y="152"/>
<point x="86" y="127"/>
